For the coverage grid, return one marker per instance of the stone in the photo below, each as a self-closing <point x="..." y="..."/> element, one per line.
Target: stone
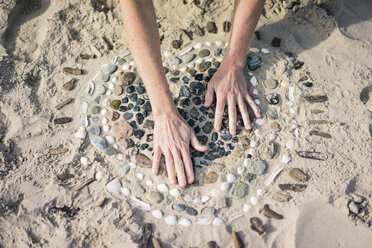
<point x="185" y="91"/>
<point x="179" y="207"/>
<point x="204" y="53"/>
<point x="316" y="98"/>
<point x="157" y="214"/>
<point x="276" y="42"/>
<point x="221" y="203"/>
<point x="199" y="77"/>
<point x="154" y="197"/>
<point x="163" y="187"/>
<point x="105" y="77"/>
<point x="217" y="152"/>
<point x="211" y="27"/>
<point x="143" y="161"/>
<point x="225" y="135"/>
<point x="217" y="52"/>
<point x="62" y="120"/>
<point x="226" y="26"/>
<point x="139" y="118"/>
<point x="127" y="78"/>
<point x="174" y="61"/>
<point x="230" y="178"/>
<point x="207" y="127"/>
<point x="298" y="175"/>
<point x="273" y="99"/>
<point x="254" y="63"/>
<point x="95" y="130"/>
<point x="216" y="63"/>
<point x="204" y="66"/>
<point x="275" y="126"/>
<point x="259" y="167"/>
<point x="229" y="161"/>
<point x="113" y="186"/>
<point x="115" y="104"/>
<point x="185" y="222"/>
<point x="308" y="84"/>
<point x="127" y="116"/>
<point x="257" y="226"/>
<point x="272" y="114"/>
<point x="69" y="85"/>
<point x="189" y="57"/>
<point x="185" y="102"/>
<point x="197" y="88"/>
<point x="171" y="220"/>
<point x="320" y="134"/>
<point x="211" y="177"/>
<point x="191" y="211"/>
<point x="271" y="83"/>
<point x="122" y="130"/>
<point x="270" y="150"/>
<point x="353" y="207"/>
<point x="100" y="89"/>
<point x="249" y="177"/>
<point x="191" y="72"/>
<point x="138" y="133"/>
<point x="109" y="151"/>
<point x="111" y="69"/>
<point x="292" y="187"/>
<point x="365" y="94"/>
<point x="118" y="90"/>
<point x="149" y="124"/>
<point x="208" y="211"/>
<point x="137" y="189"/>
<point x="238" y="190"/>
<point x="63" y="103"/>
<point x="176" y="44"/>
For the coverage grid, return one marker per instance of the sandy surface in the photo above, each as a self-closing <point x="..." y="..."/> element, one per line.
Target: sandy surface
<point x="39" y="38"/>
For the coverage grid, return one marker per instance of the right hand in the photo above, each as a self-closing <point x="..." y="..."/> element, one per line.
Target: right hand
<point x="172" y="138"/>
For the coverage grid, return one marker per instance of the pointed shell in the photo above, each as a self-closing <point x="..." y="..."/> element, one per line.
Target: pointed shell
<point x="171" y="220"/>
<point x="163" y="187"/>
<point x="113" y="186"/>
<point x="157" y="213"/>
<point x="185" y="222"/>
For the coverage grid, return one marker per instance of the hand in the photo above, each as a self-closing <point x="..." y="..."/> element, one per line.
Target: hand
<point x="172" y="137"/>
<point x="230" y="87"/>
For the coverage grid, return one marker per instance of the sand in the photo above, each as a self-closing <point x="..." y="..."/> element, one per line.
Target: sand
<point x="332" y="38"/>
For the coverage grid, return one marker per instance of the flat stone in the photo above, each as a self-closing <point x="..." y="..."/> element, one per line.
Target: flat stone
<point x="249" y="177"/>
<point x="191" y="211"/>
<point x="270" y="150"/>
<point x="95" y="130"/>
<point x="179" y="207"/>
<point x="208" y="211"/>
<point x="211" y="177"/>
<point x="197" y="88"/>
<point x="225" y="135"/>
<point x="143" y="161"/>
<point x="138" y="133"/>
<point x="271" y="83"/>
<point x="217" y="152"/>
<point x="127" y="78"/>
<point x="217" y="51"/>
<point x="110" y="151"/>
<point x="221" y="202"/>
<point x="204" y="53"/>
<point x="137" y="189"/>
<point x="111" y="69"/>
<point x="99" y="143"/>
<point x="316" y="98"/>
<point x="122" y="129"/>
<point x="155" y="197"/>
<point x="191" y="72"/>
<point x="254" y="63"/>
<point x="211" y="27"/>
<point x="272" y="114"/>
<point x="174" y="61"/>
<point x="259" y="167"/>
<point x="115" y="104"/>
<point x="185" y="91"/>
<point x="189" y="57"/>
<point x="105" y="77"/>
<point x="118" y="90"/>
<point x="127" y="116"/>
<point x="208" y="127"/>
<point x="238" y="190"/>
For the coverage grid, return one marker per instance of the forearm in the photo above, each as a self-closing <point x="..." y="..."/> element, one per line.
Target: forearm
<point x="246" y="15"/>
<point x="140" y="27"/>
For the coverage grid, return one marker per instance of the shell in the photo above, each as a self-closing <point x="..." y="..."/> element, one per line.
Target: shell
<point x="140" y="176"/>
<point x="103" y="111"/>
<point x="236" y="215"/>
<point x="163" y="187"/>
<point x="290" y="144"/>
<point x="110" y="139"/>
<point x="273" y="136"/>
<point x="137" y="203"/>
<point x="219" y="43"/>
<point x="186" y="50"/>
<point x="106" y="128"/>
<point x="96" y="76"/>
<point x="265" y="50"/>
<point x="113" y="186"/>
<point x="208" y="43"/>
<point x="199" y="60"/>
<point x="149" y="183"/>
<point x="157" y="213"/>
<point x="166" y="54"/>
<point x="174" y="192"/>
<point x="125" y="191"/>
<point x="197" y="200"/>
<point x="185" y="222"/>
<point x="91" y="87"/>
<point x="230" y="178"/>
<point x="246" y="162"/>
<point x="198" y="45"/>
<point x="85" y="106"/>
<point x="225" y="186"/>
<point x="273" y="175"/>
<point x="218" y="221"/>
<point x="202" y="221"/>
<point x="133" y="165"/>
<point x="286" y="158"/>
<point x="260" y="192"/>
<point x="247" y="207"/>
<point x="81" y="133"/>
<point x="205" y="199"/>
<point x="85" y="121"/>
<point x="254" y="200"/>
<point x="99" y="175"/>
<point x="114" y="59"/>
<point x="253" y="81"/>
<point x="104" y="120"/>
<point x="191" y="65"/>
<point x="188" y="198"/>
<point x="84" y="160"/>
<point x="241" y="170"/>
<point x="106" y="102"/>
<point x="171" y="220"/>
<point x="124" y="53"/>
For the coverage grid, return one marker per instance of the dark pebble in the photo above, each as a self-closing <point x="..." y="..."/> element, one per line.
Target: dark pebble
<point x="139" y="118"/>
<point x="249" y="156"/>
<point x="203" y="139"/>
<point x="211" y="27"/>
<point x="197" y="88"/>
<point x="230" y="146"/>
<point x="227" y="153"/>
<point x="211" y="115"/>
<point x="203" y="162"/>
<point x="105" y="77"/>
<point x="235" y="139"/>
<point x="191" y="122"/>
<point x="207" y="79"/>
<point x="211" y="72"/>
<point x="62" y="120"/>
<point x="250" y="177"/>
<point x="289" y="54"/>
<point x="136" y="109"/>
<point x="308" y="84"/>
<point x="273" y="99"/>
<point x="127" y="116"/>
<point x="197" y="154"/>
<point x="215" y="136"/>
<point x="211" y="145"/>
<point x="203" y="109"/>
<point x="185" y="91"/>
<point x="183" y="113"/>
<point x="140" y="90"/>
<point x="199" y="77"/>
<point x="147" y="106"/>
<point x="254" y="63"/>
<point x="125" y="100"/>
<point x="257" y="34"/>
<point x="185" y="79"/>
<point x="225" y="135"/>
<point x="174" y="79"/>
<point x="194" y="113"/>
<point x="196" y="100"/>
<point x="130" y="89"/>
<point x="133" y="97"/>
<point x="130" y="106"/>
<point x="276" y="42"/>
<point x="220" y="143"/>
<point x="191" y="211"/>
<point x="149" y="137"/>
<point x="123" y="108"/>
<point x="150" y="149"/>
<point x="202" y="118"/>
<point x="298" y="64"/>
<point x="144" y="146"/>
<point x="140" y="101"/>
<point x="196" y="129"/>
<point x="133" y="124"/>
<point x="138" y="133"/>
<point x="217" y="51"/>
<point x="208" y="127"/>
<point x="185" y="102"/>
<point x="217" y="152"/>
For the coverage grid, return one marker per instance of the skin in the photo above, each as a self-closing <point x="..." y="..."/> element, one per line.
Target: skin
<point x="172" y="135"/>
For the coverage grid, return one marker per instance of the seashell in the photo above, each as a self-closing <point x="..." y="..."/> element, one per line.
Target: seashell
<point x="218" y="221"/>
<point x="188" y="198"/>
<point x="157" y="213"/>
<point x="273" y="136"/>
<point x="100" y="89"/>
<point x="103" y="111"/>
<point x="236" y="215"/>
<point x="260" y="192"/>
<point x="197" y="201"/>
<point x="85" y="121"/>
<point x="186" y="50"/>
<point x="163" y="187"/>
<point x="254" y="200"/>
<point x="125" y="191"/>
<point x="286" y="158"/>
<point x="113" y="186"/>
<point x="254" y="50"/>
<point x="166" y="54"/>
<point x="225" y="186"/>
<point x="214" y="192"/>
<point x="137" y="203"/>
<point x="219" y="43"/>
<point x="230" y="178"/>
<point x="209" y="59"/>
<point x="202" y="221"/>
<point x="114" y="79"/>
<point x="140" y="176"/>
<point x="171" y="220"/>
<point x="174" y="192"/>
<point x="198" y="45"/>
<point x="247" y="207"/>
<point x="253" y="143"/>
<point x="104" y="120"/>
<point x="124" y="53"/>
<point x="259" y="121"/>
<point x="246" y="162"/>
<point x="90" y="88"/>
<point x="208" y="43"/>
<point x="149" y="183"/>
<point x="199" y="60"/>
<point x="257" y="101"/>
<point x="85" y="106"/>
<point x="110" y="139"/>
<point x="99" y="175"/>
<point x="253" y="81"/>
<point x="205" y="198"/>
<point x="241" y="170"/>
<point x="106" y="102"/>
<point x="273" y="175"/>
<point x="81" y="133"/>
<point x="255" y="92"/>
<point x="84" y="160"/>
<point x="133" y="165"/>
<point x="96" y="76"/>
<point x="106" y="128"/>
<point x="126" y="67"/>
<point x="296" y="133"/>
<point x="185" y="222"/>
<point x="265" y="50"/>
<point x="114" y="59"/>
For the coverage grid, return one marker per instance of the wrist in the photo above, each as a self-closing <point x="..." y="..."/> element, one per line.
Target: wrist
<point x="165" y="108"/>
<point x="234" y="58"/>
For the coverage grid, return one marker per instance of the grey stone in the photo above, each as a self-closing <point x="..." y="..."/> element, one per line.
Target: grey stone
<point x="191" y="211"/>
<point x="138" y="189"/>
<point x="124" y="168"/>
<point x="99" y="143"/>
<point x="179" y="207"/>
<point x="149" y="124"/>
<point x="353" y="207"/>
<point x="155" y="197"/>
<point x="100" y="90"/>
<point x="238" y="190"/>
<point x="271" y="83"/>
<point x="217" y="51"/>
<point x="111" y="69"/>
<point x="95" y="130"/>
<point x="272" y="114"/>
<point x="270" y="150"/>
<point x="259" y="167"/>
<point x="204" y="53"/>
<point x="96" y="110"/>
<point x="110" y="151"/>
<point x="189" y="57"/>
<point x="208" y="211"/>
<point x="250" y="177"/>
<point x="221" y="203"/>
<point x="105" y="77"/>
<point x="185" y="91"/>
<point x="174" y="61"/>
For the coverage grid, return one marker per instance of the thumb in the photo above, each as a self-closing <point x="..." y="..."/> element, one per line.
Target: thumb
<point x="209" y="95"/>
<point x="196" y="144"/>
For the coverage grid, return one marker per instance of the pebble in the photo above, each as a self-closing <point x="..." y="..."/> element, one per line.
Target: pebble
<point x="176" y="44"/>
<point x="69" y="85"/>
<point x="208" y="211"/>
<point x="174" y="61"/>
<point x="127" y="78"/>
<point x="189" y="57"/>
<point x="217" y="51"/>
<point x="353" y="207"/>
<point x="140" y="176"/>
<point x="241" y="170"/>
<point x="99" y="143"/>
<point x="247" y="207"/>
<point x="138" y="189"/>
<point x="118" y="90"/>
<point x="155" y="197"/>
<point x="238" y="190"/>
<point x="163" y="187"/>
<point x="270" y="150"/>
<point x="275" y="126"/>
<point x="99" y="175"/>
<point x="230" y="178"/>
<point x="157" y="214"/>
<point x="254" y="63"/>
<point x="265" y="50"/>
<point x="185" y="222"/>
<point x="105" y="77"/>
<point x="254" y="81"/>
<point x="191" y="211"/>
<point x="221" y="203"/>
<point x="286" y="158"/>
<point x="84" y="160"/>
<point x="110" y="139"/>
<point x="110" y="151"/>
<point x="138" y="133"/>
<point x="188" y="198"/>
<point x="125" y="191"/>
<point x="197" y="201"/>
<point x="171" y="220"/>
<point x="106" y="128"/>
<point x="205" y="198"/>
<point x="254" y="200"/>
<point x="271" y="83"/>
<point x="111" y="69"/>
<point x="225" y="186"/>
<point x="204" y="53"/>
<point x="113" y="186"/>
<point x="211" y="27"/>
<point x="254" y="50"/>
<point x="259" y="122"/>
<point x="259" y="167"/>
<point x="272" y="99"/>
<point x="179" y="207"/>
<point x="81" y="133"/>
<point x="257" y="226"/>
<point x="316" y="98"/>
<point x="175" y="192"/>
<point x="149" y="183"/>
<point x="198" y="45"/>
<point x="122" y="129"/>
<point x="246" y="162"/>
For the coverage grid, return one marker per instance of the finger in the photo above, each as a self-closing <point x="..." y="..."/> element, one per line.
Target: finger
<point x="232" y="114"/>
<point x="196" y="144"/>
<point x="156" y="161"/>
<point x="209" y="95"/>
<point x="219" y="113"/>
<point x="253" y="105"/>
<point x="188" y="165"/>
<point x="244" y="113"/>
<point x="179" y="168"/>
<point x="170" y="168"/>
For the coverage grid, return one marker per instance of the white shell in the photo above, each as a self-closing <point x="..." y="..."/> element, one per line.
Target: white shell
<point x="101" y="89"/>
<point x="265" y="50"/>
<point x="114" y="59"/>
<point x="247" y="207"/>
<point x="125" y="191"/>
<point x="110" y="139"/>
<point x="113" y="186"/>
<point x="210" y="59"/>
<point x="225" y="186"/>
<point x="296" y="133"/>
<point x="254" y="200"/>
<point x="114" y="79"/>
<point x="290" y="144"/>
<point x="157" y="214"/>
<point x="84" y="160"/>
<point x="273" y="175"/>
<point x="273" y="136"/>
<point x="253" y="81"/>
<point x="257" y="101"/>
<point x="191" y="65"/>
<point x="111" y="86"/>
<point x="188" y="198"/>
<point x="291" y="93"/>
<point x="96" y="76"/>
<point x="185" y="222"/>
<point x="186" y="50"/>
<point x="259" y="122"/>
<point x="166" y="54"/>
<point x="246" y="162"/>
<point x="197" y="201"/>
<point x="286" y="158"/>
<point x="218" y="221"/>
<point x="255" y="92"/>
<point x="219" y="43"/>
<point x="104" y="120"/>
<point x="205" y="198"/>
<point x="85" y="106"/>
<point x="163" y="187"/>
<point x="174" y="192"/>
<point x="140" y="176"/>
<point x="120" y="156"/>
<point x="137" y="203"/>
<point x="199" y="60"/>
<point x="260" y="192"/>
<point x="99" y="175"/>
<point x="292" y="110"/>
<point x="103" y="111"/>
<point x="241" y="170"/>
<point x="106" y="102"/>
<point x="236" y="215"/>
<point x="254" y="50"/>
<point x="133" y="165"/>
<point x="81" y="133"/>
<point x="90" y="88"/>
<point x="124" y="53"/>
<point x="183" y="69"/>
<point x="253" y="143"/>
<point x="214" y="192"/>
<point x="198" y="45"/>
<point x="230" y="178"/>
<point x="106" y="128"/>
<point x="149" y="183"/>
<point x="208" y="43"/>
<point x="202" y="221"/>
<point x="291" y="103"/>
<point x="171" y="220"/>
<point x="85" y="121"/>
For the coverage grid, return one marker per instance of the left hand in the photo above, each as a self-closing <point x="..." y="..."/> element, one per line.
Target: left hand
<point x="230" y="87"/>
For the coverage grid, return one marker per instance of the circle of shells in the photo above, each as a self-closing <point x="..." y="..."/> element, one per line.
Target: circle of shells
<point x="117" y="110"/>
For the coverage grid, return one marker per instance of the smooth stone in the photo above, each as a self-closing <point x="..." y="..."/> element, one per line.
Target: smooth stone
<point x="176" y="44"/>
<point x="249" y="177"/>
<point x="259" y="167"/>
<point x="208" y="127"/>
<point x="174" y="61"/>
<point x="99" y="143"/>
<point x="143" y="161"/>
<point x="147" y="106"/>
<point x="272" y="114"/>
<point x="118" y="90"/>
<point x="115" y="104"/>
<point x="276" y="42"/>
<point x="211" y="177"/>
<point x="105" y="77"/>
<point x="185" y="222"/>
<point x="95" y="130"/>
<point x="179" y="207"/>
<point x="157" y="214"/>
<point x="217" y="51"/>
<point x="122" y="129"/>
<point x="139" y="118"/>
<point x="154" y="197"/>
<point x="127" y="78"/>
<point x="185" y="91"/>
<point x="230" y="178"/>
<point x="191" y="211"/>
<point x="111" y="69"/>
<point x="204" y="66"/>
<point x="163" y="187"/>
<point x="171" y="220"/>
<point x="254" y="63"/>
<point x="189" y="57"/>
<point x="110" y="151"/>
<point x="271" y="83"/>
<point x="197" y="88"/>
<point x="175" y="192"/>
<point x="221" y="203"/>
<point x="214" y="136"/>
<point x="149" y="124"/>
<point x="225" y="135"/>
<point x="238" y="190"/>
<point x="211" y="27"/>
<point x="204" y="53"/>
<point x="191" y="72"/>
<point x="138" y="133"/>
<point x="100" y="89"/>
<point x="96" y="110"/>
<point x="185" y="102"/>
<point x="272" y="99"/>
<point x="308" y="84"/>
<point x="113" y="186"/>
<point x="199" y="77"/>
<point x="208" y="211"/>
<point x="127" y="116"/>
<point x="270" y="150"/>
